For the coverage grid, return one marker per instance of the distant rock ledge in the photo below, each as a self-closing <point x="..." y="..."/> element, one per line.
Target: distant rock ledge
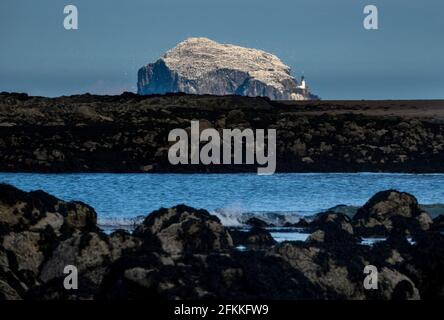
<point x="203" y="66"/>
<point x="129" y="133"/>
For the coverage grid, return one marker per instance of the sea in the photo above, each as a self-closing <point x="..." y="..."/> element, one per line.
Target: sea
<point x="123" y="200"/>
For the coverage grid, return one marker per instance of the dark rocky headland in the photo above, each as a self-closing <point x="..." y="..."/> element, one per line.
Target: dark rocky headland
<point x="128" y="133"/>
<point x="186" y="253"/>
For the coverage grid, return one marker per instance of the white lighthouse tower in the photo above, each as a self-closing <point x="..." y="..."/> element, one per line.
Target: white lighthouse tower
<point x="303" y="91"/>
<point x="303" y="84"/>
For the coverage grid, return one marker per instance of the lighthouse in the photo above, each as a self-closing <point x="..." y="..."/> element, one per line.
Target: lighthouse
<point x="303" y="85"/>
<point x="303" y="90"/>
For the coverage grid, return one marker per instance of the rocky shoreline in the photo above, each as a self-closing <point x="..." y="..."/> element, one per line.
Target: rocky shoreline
<point x="186" y="253"/>
<point x="128" y="133"/>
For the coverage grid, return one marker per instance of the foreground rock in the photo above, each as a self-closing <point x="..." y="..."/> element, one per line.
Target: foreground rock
<point x="38" y="211"/>
<point x="332" y="227"/>
<point x="203" y="66"/>
<point x="256" y="222"/>
<point x="388" y="210"/>
<point x="183" y="229"/>
<point x="185" y="253"/>
<point x="256" y="238"/>
<point x="438" y="223"/>
<point x="41" y="234"/>
<point x="32" y="224"/>
<point x="336" y="272"/>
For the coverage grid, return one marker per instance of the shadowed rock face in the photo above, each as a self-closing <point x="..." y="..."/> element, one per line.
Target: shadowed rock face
<point x="40" y="235"/>
<point x="438" y="222"/>
<point x="332" y="227"/>
<point x="391" y="210"/>
<point x="37" y="211"/>
<point x="185" y="253"/>
<point x="255" y="238"/>
<point x="202" y="66"/>
<point x="184" y="229"/>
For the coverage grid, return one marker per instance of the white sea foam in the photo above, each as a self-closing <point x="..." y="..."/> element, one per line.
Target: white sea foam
<point x="229" y="217"/>
<point x="232" y="217"/>
<point x="114" y="223"/>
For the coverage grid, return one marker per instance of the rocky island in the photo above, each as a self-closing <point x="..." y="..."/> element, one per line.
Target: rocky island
<point x="203" y="66"/>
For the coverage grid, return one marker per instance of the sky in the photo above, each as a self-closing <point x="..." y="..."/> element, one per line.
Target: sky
<point x="323" y="39"/>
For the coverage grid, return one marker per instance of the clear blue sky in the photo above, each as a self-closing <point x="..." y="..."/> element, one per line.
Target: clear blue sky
<point x="325" y="39"/>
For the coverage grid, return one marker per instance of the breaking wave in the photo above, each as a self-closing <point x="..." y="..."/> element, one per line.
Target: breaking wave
<point x="114" y="223"/>
<point x="229" y="217"/>
<point x="238" y="218"/>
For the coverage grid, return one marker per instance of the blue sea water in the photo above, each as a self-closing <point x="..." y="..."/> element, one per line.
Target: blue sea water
<point x="120" y="198"/>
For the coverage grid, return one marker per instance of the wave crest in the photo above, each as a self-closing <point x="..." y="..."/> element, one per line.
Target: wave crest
<point x="125" y="223"/>
<point x="237" y="218"/>
<point x="229" y="217"/>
